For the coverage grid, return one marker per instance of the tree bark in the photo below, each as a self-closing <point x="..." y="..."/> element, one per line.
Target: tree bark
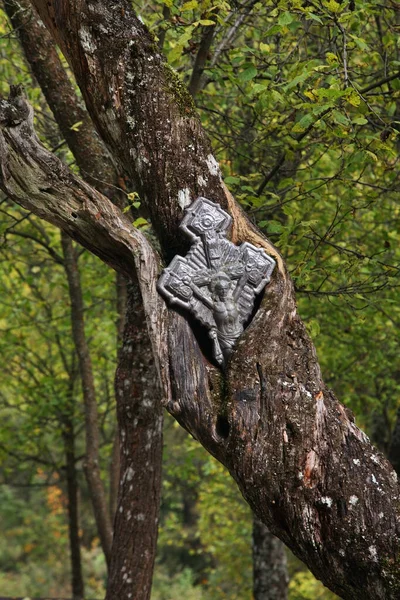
<point x="201" y="59"/>
<point x="91" y="155"/>
<point x="270" y="574"/>
<point x="301" y="463"/>
<point x="115" y="469"/>
<point x="115" y="466"/>
<point x="140" y="421"/>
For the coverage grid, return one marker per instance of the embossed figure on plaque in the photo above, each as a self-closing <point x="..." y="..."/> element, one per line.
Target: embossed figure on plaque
<point x="216" y="281"/>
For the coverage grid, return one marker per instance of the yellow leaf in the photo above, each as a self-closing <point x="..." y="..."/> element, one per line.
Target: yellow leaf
<point x="265" y="47"/>
<point x="75" y="126"/>
<point x="331" y="58"/>
<point x="354" y="98"/>
<point x="190" y="5"/>
<point x="311" y="95"/>
<point x="333" y="6"/>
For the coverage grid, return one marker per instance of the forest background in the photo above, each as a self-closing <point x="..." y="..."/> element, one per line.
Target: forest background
<point x="302" y="103"/>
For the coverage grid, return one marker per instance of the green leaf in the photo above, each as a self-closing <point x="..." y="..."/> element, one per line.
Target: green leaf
<point x="313" y="328"/>
<point x="265" y="47"/>
<point x="232" y="180"/>
<point x="285" y="18"/>
<point x="274" y="30"/>
<point x="304" y="122"/>
<point x="140" y="222"/>
<point x="248" y="74"/>
<point x="313" y="17"/>
<point x="274" y="226"/>
<point x="353" y="98"/>
<point x="340" y="118"/>
<point x="190" y="5"/>
<point x="331" y="58"/>
<point x="333" y="6"/>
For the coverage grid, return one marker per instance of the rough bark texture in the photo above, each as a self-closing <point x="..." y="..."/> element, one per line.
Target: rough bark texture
<point x="115" y="469"/>
<point x="115" y="466"/>
<point x="270" y="574"/>
<point x="140" y="424"/>
<point x="90" y="153"/>
<point x="301" y="463"/>
<point x="91" y="463"/>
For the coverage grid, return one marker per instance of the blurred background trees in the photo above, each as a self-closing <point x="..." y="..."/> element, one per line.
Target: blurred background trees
<point x="302" y="102"/>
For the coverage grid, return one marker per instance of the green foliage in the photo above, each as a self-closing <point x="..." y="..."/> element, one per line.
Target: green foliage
<point x="303" y="586"/>
<point x="180" y="585"/>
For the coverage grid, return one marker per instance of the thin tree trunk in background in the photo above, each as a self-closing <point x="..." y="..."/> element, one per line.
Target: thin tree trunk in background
<point x="270" y="574"/>
<point x="140" y="419"/>
<point x="73" y="510"/>
<point x="91" y="463"/>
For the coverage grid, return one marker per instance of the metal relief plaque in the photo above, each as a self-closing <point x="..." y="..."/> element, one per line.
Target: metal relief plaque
<point x="216" y="281"/>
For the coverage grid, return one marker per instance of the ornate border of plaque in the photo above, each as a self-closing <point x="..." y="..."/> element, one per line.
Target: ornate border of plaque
<point x="216" y="281"/>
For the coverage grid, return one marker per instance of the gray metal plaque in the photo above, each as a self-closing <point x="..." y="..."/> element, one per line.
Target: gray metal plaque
<point x="216" y="281"/>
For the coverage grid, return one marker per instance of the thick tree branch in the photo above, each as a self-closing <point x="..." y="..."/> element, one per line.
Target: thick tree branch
<point x="41" y="183"/>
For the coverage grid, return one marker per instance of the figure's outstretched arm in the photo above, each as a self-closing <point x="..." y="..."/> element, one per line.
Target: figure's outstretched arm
<point x="239" y="286"/>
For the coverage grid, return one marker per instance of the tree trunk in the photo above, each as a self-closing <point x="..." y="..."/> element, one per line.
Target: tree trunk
<point x="73" y="512"/>
<point x="140" y="425"/>
<point x="270" y="575"/>
<point x="301" y="463"/>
